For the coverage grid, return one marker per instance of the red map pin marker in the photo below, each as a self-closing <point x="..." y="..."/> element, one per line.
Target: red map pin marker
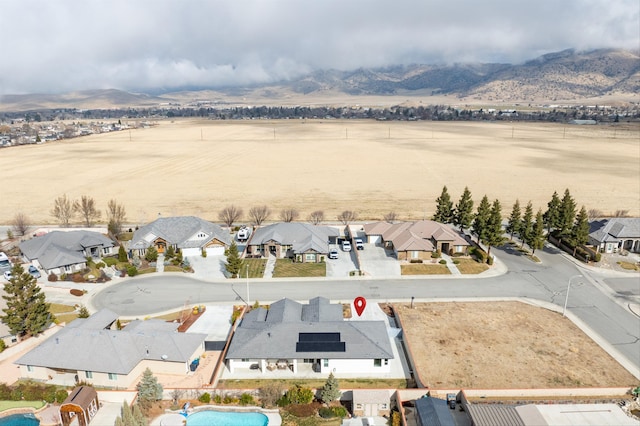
<point x="360" y="303"/>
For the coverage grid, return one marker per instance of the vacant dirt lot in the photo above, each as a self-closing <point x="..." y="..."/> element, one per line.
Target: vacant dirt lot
<point x="504" y="345"/>
<point x="200" y="166"/>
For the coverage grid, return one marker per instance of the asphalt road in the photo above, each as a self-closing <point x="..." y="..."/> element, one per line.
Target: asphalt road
<point x="596" y="298"/>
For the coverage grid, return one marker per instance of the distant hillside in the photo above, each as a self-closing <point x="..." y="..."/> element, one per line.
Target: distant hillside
<point x="561" y="76"/>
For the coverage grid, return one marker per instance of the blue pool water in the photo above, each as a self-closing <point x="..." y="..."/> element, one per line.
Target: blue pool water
<point x="20" y="420"/>
<point x="219" y="418"/>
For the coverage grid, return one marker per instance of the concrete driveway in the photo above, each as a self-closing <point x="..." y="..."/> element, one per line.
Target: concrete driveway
<point x="377" y="262"/>
<point x="345" y="263"/>
<point x="208" y="268"/>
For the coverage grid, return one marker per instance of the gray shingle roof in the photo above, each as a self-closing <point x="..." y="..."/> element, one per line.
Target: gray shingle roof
<point x="435" y="411"/>
<point x="274" y="334"/>
<point x="61" y="248"/>
<point x="88" y="346"/>
<point x="179" y="231"/>
<point x="303" y="237"/>
<point x="614" y="229"/>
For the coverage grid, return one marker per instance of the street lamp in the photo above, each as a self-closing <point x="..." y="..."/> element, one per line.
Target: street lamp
<point x="566" y="299"/>
<point x="247" y="274"/>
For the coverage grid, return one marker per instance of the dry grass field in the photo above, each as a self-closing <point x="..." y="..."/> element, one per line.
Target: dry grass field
<point x="197" y="167"/>
<point x="504" y="345"/>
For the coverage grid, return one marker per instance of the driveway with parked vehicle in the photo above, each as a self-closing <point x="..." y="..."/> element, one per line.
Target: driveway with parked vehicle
<point x="343" y="263"/>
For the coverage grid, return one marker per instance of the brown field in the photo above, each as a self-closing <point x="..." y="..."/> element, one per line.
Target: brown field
<point x="197" y="167"/>
<point x="504" y="345"/>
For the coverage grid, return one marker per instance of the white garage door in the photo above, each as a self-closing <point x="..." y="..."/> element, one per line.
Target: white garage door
<point x="215" y="251"/>
<point x="375" y="239"/>
<point x="191" y="252"/>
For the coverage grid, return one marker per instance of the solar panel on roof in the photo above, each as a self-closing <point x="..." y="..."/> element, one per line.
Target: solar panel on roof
<point x="318" y="337"/>
<point x="320" y="347"/>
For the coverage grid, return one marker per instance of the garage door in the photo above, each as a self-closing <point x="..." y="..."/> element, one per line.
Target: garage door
<point x="375" y="239"/>
<point x="215" y="251"/>
<point x="191" y="252"/>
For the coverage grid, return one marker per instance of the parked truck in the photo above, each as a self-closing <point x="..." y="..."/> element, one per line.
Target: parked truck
<point x="451" y="400"/>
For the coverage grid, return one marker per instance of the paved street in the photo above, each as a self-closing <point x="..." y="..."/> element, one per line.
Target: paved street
<point x="598" y="299"/>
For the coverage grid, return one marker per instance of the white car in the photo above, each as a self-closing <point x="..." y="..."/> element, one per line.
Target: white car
<point x="359" y="244"/>
<point x="333" y="254"/>
<point x="7" y="275"/>
<point x="346" y="245"/>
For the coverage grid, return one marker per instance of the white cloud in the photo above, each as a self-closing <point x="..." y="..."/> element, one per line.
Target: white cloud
<point x="56" y="45"/>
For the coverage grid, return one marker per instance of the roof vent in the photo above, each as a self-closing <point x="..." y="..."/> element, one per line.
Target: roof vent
<point x="164" y="357"/>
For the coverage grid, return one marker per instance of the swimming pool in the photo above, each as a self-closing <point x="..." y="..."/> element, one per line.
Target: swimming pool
<point x="219" y="418"/>
<point x="20" y="420"/>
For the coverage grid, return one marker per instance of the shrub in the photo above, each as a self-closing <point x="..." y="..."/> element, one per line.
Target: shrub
<point x="76" y="292"/>
<point x="49" y="394"/>
<point x="205" y="398"/>
<point x="217" y="399"/>
<point x="302" y="410"/>
<point x="598" y="257"/>
<point x="100" y="265"/>
<point x="442" y="262"/>
<point x="122" y="254"/>
<point x="77" y="278"/>
<point x="3" y="346"/>
<point x="61" y="395"/>
<point x="229" y="399"/>
<point x="31" y="392"/>
<point x="152" y="254"/>
<point x="5" y="392"/>
<point x="52" y="278"/>
<point x="490" y="260"/>
<point x="456" y="261"/>
<point x="132" y="271"/>
<point x="339" y="411"/>
<point x="296" y="395"/>
<point x="415" y="261"/>
<point x="110" y="261"/>
<point x="16" y="394"/>
<point x="326" y="413"/>
<point x="204" y="253"/>
<point x="436" y="254"/>
<point x="246" y="399"/>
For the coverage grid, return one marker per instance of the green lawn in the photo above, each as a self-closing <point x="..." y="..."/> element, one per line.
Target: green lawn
<point x="424" y="269"/>
<point x="287" y="268"/>
<point x="256" y="268"/>
<point x="7" y="405"/>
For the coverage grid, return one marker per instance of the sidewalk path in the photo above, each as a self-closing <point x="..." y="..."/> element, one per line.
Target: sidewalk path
<point x="268" y="268"/>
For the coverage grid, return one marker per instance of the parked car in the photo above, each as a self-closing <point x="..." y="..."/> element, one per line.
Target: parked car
<point x="333" y="254"/>
<point x="7" y="275"/>
<point x="359" y="244"/>
<point x="346" y="245"/>
<point x="5" y="263"/>
<point x="34" y="272"/>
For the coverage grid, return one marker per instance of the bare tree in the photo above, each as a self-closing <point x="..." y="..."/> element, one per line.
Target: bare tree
<point x="594" y="214"/>
<point x="289" y="215"/>
<point x="347" y="217"/>
<point x="230" y="214"/>
<point x="259" y="214"/>
<point x="116" y="215"/>
<point x="390" y="217"/>
<point x="86" y="208"/>
<point x="20" y="224"/>
<point x="62" y="210"/>
<point x="316" y="217"/>
<point x="621" y="213"/>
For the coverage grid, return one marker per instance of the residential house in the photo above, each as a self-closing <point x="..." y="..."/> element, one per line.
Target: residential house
<point x="300" y="241"/>
<point x="435" y="411"/>
<point x="187" y="234"/>
<point x="308" y="338"/>
<point x="615" y="234"/>
<point x="416" y="240"/>
<point x="92" y="350"/>
<point x="61" y="252"/>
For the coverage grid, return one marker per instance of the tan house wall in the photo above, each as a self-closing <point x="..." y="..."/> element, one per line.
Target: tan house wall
<point x="407" y="255"/>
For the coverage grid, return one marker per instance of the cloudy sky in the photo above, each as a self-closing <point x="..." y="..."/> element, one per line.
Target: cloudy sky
<point x="53" y="46"/>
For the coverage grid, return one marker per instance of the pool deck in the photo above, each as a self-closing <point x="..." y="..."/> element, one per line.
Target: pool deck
<point x="176" y="419"/>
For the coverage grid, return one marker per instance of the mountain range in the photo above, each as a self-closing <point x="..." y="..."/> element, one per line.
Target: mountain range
<point x="567" y="76"/>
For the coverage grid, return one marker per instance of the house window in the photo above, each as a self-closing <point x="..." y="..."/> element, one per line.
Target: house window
<point x="325" y="362"/>
<point x="245" y="359"/>
<point x="67" y="268"/>
<point x="30" y="368"/>
<point x="201" y="235"/>
<point x="415" y="254"/>
<point x="106" y="250"/>
<point x="383" y="406"/>
<point x="358" y="406"/>
<point x="377" y="362"/>
<point x="386" y="362"/>
<point x="88" y="374"/>
<point x="113" y="376"/>
<point x="308" y="360"/>
<point x="310" y="256"/>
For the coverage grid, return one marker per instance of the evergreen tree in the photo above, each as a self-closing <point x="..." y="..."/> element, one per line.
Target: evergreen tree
<point x="234" y="261"/>
<point x="84" y="312"/>
<point x="122" y="254"/>
<point x="463" y="213"/>
<point x="552" y="215"/>
<point x="331" y="390"/>
<point x="151" y="254"/>
<point x="27" y="312"/>
<point x="536" y="238"/>
<point x="494" y="235"/>
<point x="444" y="210"/>
<point x="567" y="215"/>
<point x="526" y="228"/>
<point x="482" y="218"/>
<point x="149" y="390"/>
<point x="513" y="227"/>
<point x="138" y="416"/>
<point x="580" y="230"/>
